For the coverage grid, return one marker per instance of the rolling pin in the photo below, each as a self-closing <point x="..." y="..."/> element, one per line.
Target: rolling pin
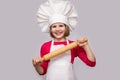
<point x="61" y="50"/>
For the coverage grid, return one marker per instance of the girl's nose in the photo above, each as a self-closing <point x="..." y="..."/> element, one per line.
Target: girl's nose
<point x="57" y="28"/>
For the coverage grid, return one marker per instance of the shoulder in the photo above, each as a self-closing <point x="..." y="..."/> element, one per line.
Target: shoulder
<point x="45" y="48"/>
<point x="46" y="44"/>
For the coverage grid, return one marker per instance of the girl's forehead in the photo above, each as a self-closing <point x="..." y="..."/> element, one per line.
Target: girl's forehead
<point x="58" y="23"/>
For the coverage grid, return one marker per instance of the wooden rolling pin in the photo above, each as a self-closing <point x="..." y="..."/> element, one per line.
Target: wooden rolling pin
<point x="61" y="50"/>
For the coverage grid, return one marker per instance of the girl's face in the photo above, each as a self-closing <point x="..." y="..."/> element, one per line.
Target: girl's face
<point x="58" y="31"/>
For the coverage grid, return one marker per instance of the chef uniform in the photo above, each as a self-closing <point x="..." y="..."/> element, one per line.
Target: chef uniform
<point x="60" y="67"/>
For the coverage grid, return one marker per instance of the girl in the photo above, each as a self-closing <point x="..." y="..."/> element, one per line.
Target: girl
<point x="59" y="17"/>
<point x="60" y="67"/>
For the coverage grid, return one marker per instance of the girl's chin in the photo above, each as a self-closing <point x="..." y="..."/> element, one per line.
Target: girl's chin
<point x="58" y="36"/>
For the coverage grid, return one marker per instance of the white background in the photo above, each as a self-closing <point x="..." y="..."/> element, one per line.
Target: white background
<point x="21" y="37"/>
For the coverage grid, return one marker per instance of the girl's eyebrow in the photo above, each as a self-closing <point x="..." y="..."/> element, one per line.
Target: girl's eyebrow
<point x="61" y="25"/>
<point x="54" y="26"/>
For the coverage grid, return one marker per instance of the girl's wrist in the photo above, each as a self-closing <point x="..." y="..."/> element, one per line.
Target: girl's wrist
<point x="85" y="45"/>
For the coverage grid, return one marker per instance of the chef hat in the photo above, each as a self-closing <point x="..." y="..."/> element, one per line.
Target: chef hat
<point x="53" y="11"/>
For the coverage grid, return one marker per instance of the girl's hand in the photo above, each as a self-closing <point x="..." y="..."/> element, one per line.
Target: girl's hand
<point x="82" y="41"/>
<point x="36" y="61"/>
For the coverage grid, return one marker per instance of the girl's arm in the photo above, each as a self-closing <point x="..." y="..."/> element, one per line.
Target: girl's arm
<point x="87" y="48"/>
<point x="41" y="67"/>
<point x="89" y="52"/>
<point x="36" y="64"/>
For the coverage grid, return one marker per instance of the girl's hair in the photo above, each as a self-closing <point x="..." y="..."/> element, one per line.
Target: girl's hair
<point x="67" y="31"/>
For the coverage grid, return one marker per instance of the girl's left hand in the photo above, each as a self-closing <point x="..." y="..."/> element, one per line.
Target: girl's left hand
<point x="82" y="41"/>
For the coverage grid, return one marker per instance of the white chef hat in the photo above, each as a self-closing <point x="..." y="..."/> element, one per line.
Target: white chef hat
<point x="53" y="11"/>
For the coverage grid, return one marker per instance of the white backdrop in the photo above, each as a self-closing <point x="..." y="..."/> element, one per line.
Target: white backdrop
<point x="20" y="38"/>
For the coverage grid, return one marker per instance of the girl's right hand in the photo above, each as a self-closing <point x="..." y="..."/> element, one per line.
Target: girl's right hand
<point x="36" y="61"/>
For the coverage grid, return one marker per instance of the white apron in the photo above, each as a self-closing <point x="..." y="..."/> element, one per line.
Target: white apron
<point x="60" y="67"/>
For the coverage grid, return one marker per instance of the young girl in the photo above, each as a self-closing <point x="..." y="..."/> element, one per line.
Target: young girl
<point x="60" y="67"/>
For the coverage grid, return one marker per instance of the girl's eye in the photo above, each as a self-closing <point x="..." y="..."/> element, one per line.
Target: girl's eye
<point x="61" y="25"/>
<point x="53" y="26"/>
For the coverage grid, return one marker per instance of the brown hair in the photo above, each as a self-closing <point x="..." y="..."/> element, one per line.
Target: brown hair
<point x="67" y="31"/>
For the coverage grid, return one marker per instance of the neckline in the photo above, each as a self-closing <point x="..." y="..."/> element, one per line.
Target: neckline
<point x="60" y="43"/>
